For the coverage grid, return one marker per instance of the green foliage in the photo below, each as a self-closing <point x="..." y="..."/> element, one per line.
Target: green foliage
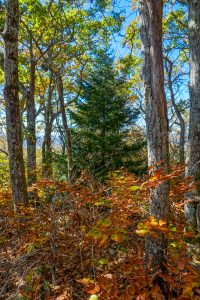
<point x="4" y="169"/>
<point x="102" y="120"/>
<point x="60" y="166"/>
<point x="2" y="15"/>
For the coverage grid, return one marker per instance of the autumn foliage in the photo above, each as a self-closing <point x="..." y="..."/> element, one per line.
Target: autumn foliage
<point x="86" y="241"/>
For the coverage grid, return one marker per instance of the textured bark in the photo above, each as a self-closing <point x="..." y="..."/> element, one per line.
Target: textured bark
<point x="13" y="120"/>
<point x="61" y="134"/>
<point x="194" y="87"/>
<point x="169" y="68"/>
<point x="31" y="123"/>
<point x="47" y="170"/>
<point x="156" y="118"/>
<point x="66" y="128"/>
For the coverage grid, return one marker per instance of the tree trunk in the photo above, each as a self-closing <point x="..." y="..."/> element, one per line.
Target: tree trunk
<point x="47" y="170"/>
<point x="31" y="123"/>
<point x="194" y="87"/>
<point x="13" y="120"/>
<point x="66" y="128"/>
<point x="169" y="68"/>
<point x="61" y="133"/>
<point x="156" y="119"/>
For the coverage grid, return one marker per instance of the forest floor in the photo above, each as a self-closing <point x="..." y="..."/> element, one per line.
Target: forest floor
<point x="89" y="239"/>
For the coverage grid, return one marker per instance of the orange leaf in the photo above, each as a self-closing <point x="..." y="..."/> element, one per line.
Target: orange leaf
<point x="167" y="278"/>
<point x="93" y="289"/>
<point x="117" y="237"/>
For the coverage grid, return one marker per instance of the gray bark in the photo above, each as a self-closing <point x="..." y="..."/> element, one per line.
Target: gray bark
<point x="194" y="88"/>
<point x="13" y="120"/>
<point x="169" y="69"/>
<point x="47" y="170"/>
<point x="66" y="128"/>
<point x="156" y="119"/>
<point x="31" y="123"/>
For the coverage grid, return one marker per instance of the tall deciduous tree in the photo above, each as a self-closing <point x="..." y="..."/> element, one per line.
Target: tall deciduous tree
<point x="47" y="170"/>
<point x="65" y="127"/>
<point x="194" y="129"/>
<point x="156" y="118"/>
<point x="31" y="122"/>
<point x="169" y="70"/>
<point x="13" y="121"/>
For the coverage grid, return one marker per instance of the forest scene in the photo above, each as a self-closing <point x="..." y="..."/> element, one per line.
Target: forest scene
<point x="99" y="149"/>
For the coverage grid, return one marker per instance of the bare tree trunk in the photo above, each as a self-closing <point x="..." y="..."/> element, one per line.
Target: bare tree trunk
<point x="61" y="132"/>
<point x="31" y="123"/>
<point x="169" y="69"/>
<point x="13" y="120"/>
<point x="47" y="170"/>
<point x="66" y="128"/>
<point x="156" y="119"/>
<point x="194" y="126"/>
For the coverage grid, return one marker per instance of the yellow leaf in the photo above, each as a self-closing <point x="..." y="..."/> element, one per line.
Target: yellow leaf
<point x="142" y="232"/>
<point x="162" y="222"/>
<point x="153" y="221"/>
<point x="134" y="188"/>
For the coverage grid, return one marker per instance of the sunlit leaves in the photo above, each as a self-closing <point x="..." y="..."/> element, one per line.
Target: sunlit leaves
<point x="106" y="238"/>
<point x="93" y="297"/>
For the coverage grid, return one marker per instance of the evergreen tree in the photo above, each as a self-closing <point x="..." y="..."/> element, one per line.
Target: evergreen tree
<point x="102" y="120"/>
